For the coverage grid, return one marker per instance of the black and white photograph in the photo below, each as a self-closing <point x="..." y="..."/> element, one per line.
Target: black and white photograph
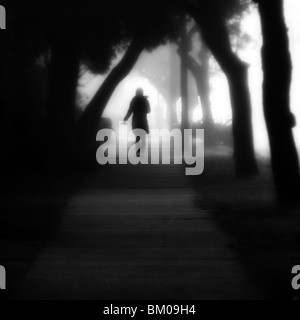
<point x="149" y="153"/>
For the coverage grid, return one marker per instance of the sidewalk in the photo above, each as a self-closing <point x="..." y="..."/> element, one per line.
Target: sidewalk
<point x="133" y="232"/>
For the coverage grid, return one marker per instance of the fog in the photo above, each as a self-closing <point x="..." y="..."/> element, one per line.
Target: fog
<point x="153" y="69"/>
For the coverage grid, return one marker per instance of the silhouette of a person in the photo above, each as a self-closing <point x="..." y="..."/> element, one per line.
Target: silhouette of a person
<point x="139" y="108"/>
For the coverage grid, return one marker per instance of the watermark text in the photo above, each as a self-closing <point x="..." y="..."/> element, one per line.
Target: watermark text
<point x="160" y="147"/>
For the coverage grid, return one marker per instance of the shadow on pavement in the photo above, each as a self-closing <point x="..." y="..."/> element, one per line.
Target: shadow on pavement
<point x="31" y="207"/>
<point x="266" y="235"/>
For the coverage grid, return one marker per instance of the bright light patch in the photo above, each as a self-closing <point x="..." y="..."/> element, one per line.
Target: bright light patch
<point x="120" y="101"/>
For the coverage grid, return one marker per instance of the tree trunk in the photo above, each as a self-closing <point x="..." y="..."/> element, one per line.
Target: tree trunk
<point x="88" y="124"/>
<point x="216" y="37"/>
<point x="277" y="68"/>
<point x="63" y="80"/>
<point x="204" y="89"/>
<point x="183" y="51"/>
<point x="201" y="75"/>
<point x="173" y="89"/>
<point x="64" y="71"/>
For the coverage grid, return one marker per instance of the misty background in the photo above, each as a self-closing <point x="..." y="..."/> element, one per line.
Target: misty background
<point x="158" y="62"/>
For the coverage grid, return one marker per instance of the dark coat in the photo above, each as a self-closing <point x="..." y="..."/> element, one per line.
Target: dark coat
<point x="139" y="108"/>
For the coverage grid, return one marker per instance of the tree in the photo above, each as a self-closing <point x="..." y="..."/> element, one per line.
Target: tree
<point x="211" y="20"/>
<point x="143" y="33"/>
<point x="62" y="37"/>
<point x="183" y="50"/>
<point x="72" y="46"/>
<point x="88" y="124"/>
<point x="212" y="23"/>
<point x="22" y="47"/>
<point x="199" y="67"/>
<point x="277" y="67"/>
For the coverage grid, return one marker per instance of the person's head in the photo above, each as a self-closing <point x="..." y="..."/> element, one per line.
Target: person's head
<point x="139" y="92"/>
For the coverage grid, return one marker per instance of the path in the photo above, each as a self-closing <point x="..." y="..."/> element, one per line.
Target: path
<point x="133" y="232"/>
